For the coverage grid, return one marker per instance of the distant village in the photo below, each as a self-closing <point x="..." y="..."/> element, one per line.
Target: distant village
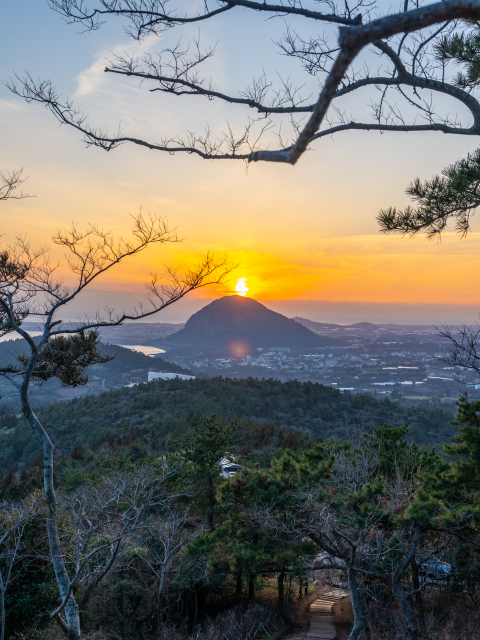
<point x="398" y="361"/>
<point x="416" y="376"/>
<point x="402" y="362"/>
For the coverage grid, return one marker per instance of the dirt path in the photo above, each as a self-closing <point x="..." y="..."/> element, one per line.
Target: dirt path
<point x="321" y="616"/>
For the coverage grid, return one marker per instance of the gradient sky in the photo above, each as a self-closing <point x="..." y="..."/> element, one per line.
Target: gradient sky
<point x="299" y="233"/>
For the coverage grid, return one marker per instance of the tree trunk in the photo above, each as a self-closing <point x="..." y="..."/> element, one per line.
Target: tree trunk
<point x="2" y="630"/>
<point x="366" y="628"/>
<point x="161" y="579"/>
<point x="358" y="622"/>
<point x="139" y="629"/>
<point x="419" y="599"/>
<point x="411" y="629"/>
<point x="251" y="586"/>
<point x="211" y="508"/>
<point x="72" y="627"/>
<point x="281" y="600"/>
<point x="195" y="618"/>
<point x="238" y="588"/>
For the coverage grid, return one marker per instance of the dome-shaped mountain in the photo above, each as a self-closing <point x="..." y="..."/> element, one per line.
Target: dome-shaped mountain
<point x="239" y="324"/>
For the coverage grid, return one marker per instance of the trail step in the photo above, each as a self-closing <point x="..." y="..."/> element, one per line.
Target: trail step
<point x="321" y="616"/>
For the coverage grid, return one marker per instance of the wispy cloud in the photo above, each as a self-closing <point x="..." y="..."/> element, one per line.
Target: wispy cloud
<point x="90" y="80"/>
<point x="12" y="105"/>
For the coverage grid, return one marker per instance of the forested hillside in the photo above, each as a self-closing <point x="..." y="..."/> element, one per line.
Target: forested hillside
<point x="173" y="549"/>
<point x="158" y="413"/>
<point x="234" y="324"/>
<point x="192" y="549"/>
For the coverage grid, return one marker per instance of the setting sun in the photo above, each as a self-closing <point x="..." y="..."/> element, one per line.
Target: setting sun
<point x="241" y="288"/>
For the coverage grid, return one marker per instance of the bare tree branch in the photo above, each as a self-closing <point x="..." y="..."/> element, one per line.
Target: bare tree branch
<point x="9" y="183"/>
<point x="464" y="346"/>
<point x="407" y="44"/>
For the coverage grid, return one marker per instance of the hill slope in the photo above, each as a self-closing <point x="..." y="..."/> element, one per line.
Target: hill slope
<point x="151" y="416"/>
<point x="239" y="325"/>
<point x="127" y="366"/>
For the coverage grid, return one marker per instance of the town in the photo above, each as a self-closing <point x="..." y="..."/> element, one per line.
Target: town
<point x="408" y="363"/>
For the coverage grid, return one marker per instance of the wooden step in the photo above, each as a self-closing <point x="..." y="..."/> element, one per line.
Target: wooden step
<point x="321" y="616"/>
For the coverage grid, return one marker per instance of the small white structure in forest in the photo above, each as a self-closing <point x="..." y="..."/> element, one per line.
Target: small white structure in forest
<point x="160" y="375"/>
<point x="229" y="468"/>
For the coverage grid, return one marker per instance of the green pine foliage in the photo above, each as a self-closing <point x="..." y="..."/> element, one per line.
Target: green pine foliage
<point x="67" y="358"/>
<point x="450" y="491"/>
<point x="200" y="463"/>
<point x="467" y="442"/>
<point x="464" y="50"/>
<point x="454" y="195"/>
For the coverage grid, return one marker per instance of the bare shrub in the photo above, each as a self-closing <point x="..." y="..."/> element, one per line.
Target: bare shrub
<point x="238" y="624"/>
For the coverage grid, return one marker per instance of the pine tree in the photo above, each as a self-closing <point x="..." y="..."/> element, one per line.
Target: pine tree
<point x="202" y="468"/>
<point x="466" y="445"/>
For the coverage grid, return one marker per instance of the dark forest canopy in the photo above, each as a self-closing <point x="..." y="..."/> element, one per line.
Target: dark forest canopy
<point x="161" y="411"/>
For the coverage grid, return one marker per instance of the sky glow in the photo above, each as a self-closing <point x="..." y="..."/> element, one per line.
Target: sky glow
<point x="306" y="232"/>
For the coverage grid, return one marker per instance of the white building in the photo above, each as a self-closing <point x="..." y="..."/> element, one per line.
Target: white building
<point x="160" y="375"/>
<point x="229" y="468"/>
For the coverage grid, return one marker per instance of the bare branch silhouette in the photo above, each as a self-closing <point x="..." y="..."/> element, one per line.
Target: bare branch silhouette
<point x="9" y="183"/>
<point x="413" y="47"/>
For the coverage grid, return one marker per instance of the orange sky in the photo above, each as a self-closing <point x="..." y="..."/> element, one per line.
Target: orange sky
<point x="303" y="232"/>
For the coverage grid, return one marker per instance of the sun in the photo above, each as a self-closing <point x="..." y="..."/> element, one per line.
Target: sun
<point x="241" y="288"/>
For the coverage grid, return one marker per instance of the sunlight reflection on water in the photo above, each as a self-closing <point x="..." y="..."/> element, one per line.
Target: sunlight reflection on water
<point x="148" y="351"/>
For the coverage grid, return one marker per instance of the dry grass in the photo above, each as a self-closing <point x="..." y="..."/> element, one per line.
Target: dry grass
<point x="236" y="623"/>
<point x="451" y="619"/>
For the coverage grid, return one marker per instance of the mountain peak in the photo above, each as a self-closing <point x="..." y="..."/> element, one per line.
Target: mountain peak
<point x="236" y="320"/>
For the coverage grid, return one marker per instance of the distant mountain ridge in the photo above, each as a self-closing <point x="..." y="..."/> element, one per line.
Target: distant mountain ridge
<point x="240" y="324"/>
<point x="318" y="327"/>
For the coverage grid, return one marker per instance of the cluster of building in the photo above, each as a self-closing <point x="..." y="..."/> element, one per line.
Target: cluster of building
<point x="412" y="374"/>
